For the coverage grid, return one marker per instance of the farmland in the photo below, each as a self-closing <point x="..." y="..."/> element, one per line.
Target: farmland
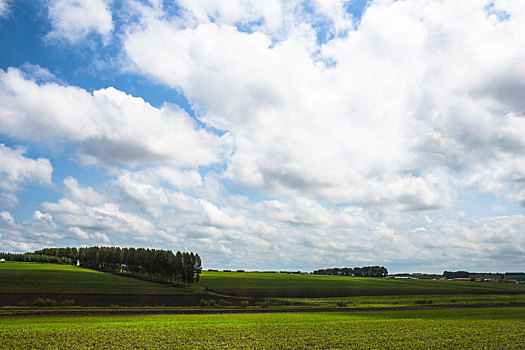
<point x="444" y="329"/>
<point x="272" y="319"/>
<point x="16" y="277"/>
<point x="273" y="285"/>
<point x="26" y="282"/>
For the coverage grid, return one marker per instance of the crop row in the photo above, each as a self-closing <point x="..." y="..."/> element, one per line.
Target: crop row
<point x="300" y="331"/>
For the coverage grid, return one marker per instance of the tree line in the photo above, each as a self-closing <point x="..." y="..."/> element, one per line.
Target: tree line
<point x="366" y="271"/>
<point x="37" y="258"/>
<point x="520" y="276"/>
<point x="156" y="264"/>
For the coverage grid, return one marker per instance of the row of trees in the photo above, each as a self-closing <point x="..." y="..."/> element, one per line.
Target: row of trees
<point x="38" y="258"/>
<point x="520" y="276"/>
<point x="456" y="274"/>
<point x="366" y="271"/>
<point x="154" y="264"/>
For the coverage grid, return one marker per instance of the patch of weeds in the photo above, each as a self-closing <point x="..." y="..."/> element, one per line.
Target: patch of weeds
<point x="68" y="302"/>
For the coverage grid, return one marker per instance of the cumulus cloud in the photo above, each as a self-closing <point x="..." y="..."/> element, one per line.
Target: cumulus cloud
<point x="108" y="126"/>
<point x="37" y="215"/>
<point x="4" y="7"/>
<point x="84" y="208"/>
<point x="73" y="20"/>
<point x="344" y="141"/>
<point x="93" y="238"/>
<point x="8" y="200"/>
<point x="21" y="236"/>
<point x="411" y="91"/>
<point x="15" y="169"/>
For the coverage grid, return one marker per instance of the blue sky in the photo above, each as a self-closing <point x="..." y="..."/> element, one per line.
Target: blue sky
<point x="263" y="135"/>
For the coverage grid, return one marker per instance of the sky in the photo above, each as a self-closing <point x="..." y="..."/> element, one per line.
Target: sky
<point x="267" y="134"/>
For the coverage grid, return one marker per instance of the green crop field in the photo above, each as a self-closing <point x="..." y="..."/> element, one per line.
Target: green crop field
<point x="18" y="277"/>
<point x="422" y="329"/>
<point x="314" y="286"/>
<point x="411" y="300"/>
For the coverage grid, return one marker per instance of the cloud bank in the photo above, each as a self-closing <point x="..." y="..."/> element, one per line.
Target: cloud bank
<point x="312" y="136"/>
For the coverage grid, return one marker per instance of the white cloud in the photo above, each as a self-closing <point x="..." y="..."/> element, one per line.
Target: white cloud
<point x="37" y="215"/>
<point x="82" y="194"/>
<point x="84" y="208"/>
<point x="411" y="92"/>
<point x="6" y="216"/>
<point x="268" y="14"/>
<point x="80" y="233"/>
<point x="15" y="169"/>
<point x="108" y="127"/>
<point x="73" y="20"/>
<point x="94" y="238"/>
<point x="345" y="142"/>
<point x="8" y="200"/>
<point x="4" y="7"/>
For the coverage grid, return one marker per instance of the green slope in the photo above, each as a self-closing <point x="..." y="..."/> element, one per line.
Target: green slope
<point x="19" y="277"/>
<point x="309" y="286"/>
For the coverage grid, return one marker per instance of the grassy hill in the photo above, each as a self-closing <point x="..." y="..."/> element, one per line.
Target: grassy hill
<point x="19" y="277"/>
<point x="27" y="281"/>
<point x="313" y="286"/>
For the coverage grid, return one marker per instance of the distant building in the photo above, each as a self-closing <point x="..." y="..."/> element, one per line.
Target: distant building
<point x="509" y="281"/>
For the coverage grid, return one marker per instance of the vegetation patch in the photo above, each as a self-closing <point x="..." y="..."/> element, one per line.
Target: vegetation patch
<point x="420" y="329"/>
<point x="18" y="277"/>
<point x="280" y="285"/>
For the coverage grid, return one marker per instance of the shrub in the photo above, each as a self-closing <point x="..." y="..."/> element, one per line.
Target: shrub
<point x="245" y="303"/>
<point x="50" y="302"/>
<point x="223" y="302"/>
<point x="341" y="303"/>
<point x="23" y="303"/>
<point x="68" y="302"/>
<point x="207" y="302"/>
<point x="39" y="302"/>
<point x="262" y="304"/>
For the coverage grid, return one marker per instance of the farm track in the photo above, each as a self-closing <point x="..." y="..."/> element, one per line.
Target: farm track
<point x="199" y="311"/>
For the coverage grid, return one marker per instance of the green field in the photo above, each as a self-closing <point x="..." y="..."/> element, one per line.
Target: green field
<point x="411" y="300"/>
<point x="422" y="329"/>
<point x="17" y="277"/>
<point x="313" y="286"/>
<point x="468" y="328"/>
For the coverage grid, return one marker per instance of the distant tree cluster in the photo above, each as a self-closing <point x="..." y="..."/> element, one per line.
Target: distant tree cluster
<point x="38" y="258"/>
<point x="520" y="276"/>
<point x="156" y="264"/>
<point x="456" y="274"/>
<point x="367" y="271"/>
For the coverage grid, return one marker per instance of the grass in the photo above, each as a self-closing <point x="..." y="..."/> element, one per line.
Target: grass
<point x="312" y="286"/>
<point x="18" y="277"/>
<point x="411" y="300"/>
<point x="420" y="329"/>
